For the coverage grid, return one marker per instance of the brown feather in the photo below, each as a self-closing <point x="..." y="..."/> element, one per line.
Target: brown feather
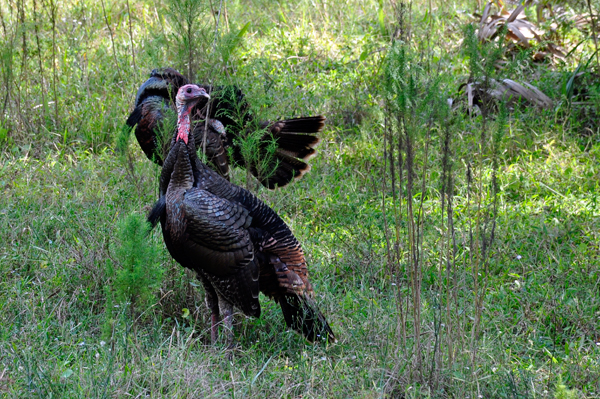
<point x="235" y="242"/>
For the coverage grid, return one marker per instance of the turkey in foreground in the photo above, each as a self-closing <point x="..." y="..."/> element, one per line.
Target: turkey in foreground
<point x="295" y="139"/>
<point x="236" y="243"/>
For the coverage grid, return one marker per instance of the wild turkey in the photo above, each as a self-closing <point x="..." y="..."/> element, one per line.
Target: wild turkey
<point x="235" y="242"/>
<point x="295" y="138"/>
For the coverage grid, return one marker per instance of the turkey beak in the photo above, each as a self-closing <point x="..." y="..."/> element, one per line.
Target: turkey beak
<point x="201" y="94"/>
<point x="200" y="98"/>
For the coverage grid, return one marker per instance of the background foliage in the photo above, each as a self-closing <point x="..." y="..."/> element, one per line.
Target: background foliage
<point x="450" y="218"/>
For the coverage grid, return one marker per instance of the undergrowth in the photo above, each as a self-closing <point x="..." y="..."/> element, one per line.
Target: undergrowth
<point x="453" y="244"/>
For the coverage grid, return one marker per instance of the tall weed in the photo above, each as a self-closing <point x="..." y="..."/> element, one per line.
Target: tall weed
<point x="136" y="278"/>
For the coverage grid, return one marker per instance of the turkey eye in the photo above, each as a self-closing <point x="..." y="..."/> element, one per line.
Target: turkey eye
<point x="189" y="90"/>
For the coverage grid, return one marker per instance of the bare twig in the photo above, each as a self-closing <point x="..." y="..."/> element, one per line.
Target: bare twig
<point x="594" y="32"/>
<point x="211" y="83"/>
<point x="112" y="40"/>
<point x="217" y="25"/>
<point x="39" y="48"/>
<point x="7" y="68"/>
<point x="21" y="13"/>
<point x="131" y="36"/>
<point x="53" y="9"/>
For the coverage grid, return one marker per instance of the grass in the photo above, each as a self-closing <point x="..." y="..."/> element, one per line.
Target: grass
<point x="65" y="193"/>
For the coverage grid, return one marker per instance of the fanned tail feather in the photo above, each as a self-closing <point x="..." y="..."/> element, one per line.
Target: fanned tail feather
<point x="296" y="144"/>
<point x="301" y="314"/>
<point x="309" y="124"/>
<point x="295" y="137"/>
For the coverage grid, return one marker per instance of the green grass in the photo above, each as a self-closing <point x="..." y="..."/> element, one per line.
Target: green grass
<point x="65" y="192"/>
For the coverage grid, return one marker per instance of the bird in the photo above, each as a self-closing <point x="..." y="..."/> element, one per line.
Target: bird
<point x="221" y="132"/>
<point x="237" y="244"/>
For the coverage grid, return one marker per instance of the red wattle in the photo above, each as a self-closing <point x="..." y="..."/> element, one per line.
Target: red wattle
<point x="183" y="128"/>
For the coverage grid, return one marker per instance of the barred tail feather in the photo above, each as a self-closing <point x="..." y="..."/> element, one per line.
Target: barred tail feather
<point x="310" y="124"/>
<point x="295" y="137"/>
<point x="295" y="146"/>
<point x="298" y="146"/>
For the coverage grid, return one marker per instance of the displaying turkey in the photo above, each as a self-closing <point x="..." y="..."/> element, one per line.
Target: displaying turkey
<point x="237" y="244"/>
<point x="228" y="122"/>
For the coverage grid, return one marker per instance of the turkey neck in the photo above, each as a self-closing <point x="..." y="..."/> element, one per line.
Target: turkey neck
<point x="178" y="168"/>
<point x="184" y="130"/>
<point x="182" y="176"/>
<point x="182" y="167"/>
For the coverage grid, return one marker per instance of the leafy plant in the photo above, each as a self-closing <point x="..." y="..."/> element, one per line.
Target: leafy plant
<point x="137" y="275"/>
<point x="190" y="36"/>
<point x="258" y="156"/>
<point x="228" y="43"/>
<point x="562" y="392"/>
<point x="3" y="133"/>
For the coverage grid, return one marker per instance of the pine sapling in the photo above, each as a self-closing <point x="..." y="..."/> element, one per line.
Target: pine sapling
<point x="138" y="275"/>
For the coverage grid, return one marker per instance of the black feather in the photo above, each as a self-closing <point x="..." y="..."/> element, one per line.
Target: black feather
<point x="157" y="211"/>
<point x="302" y="314"/>
<point x="135" y="117"/>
